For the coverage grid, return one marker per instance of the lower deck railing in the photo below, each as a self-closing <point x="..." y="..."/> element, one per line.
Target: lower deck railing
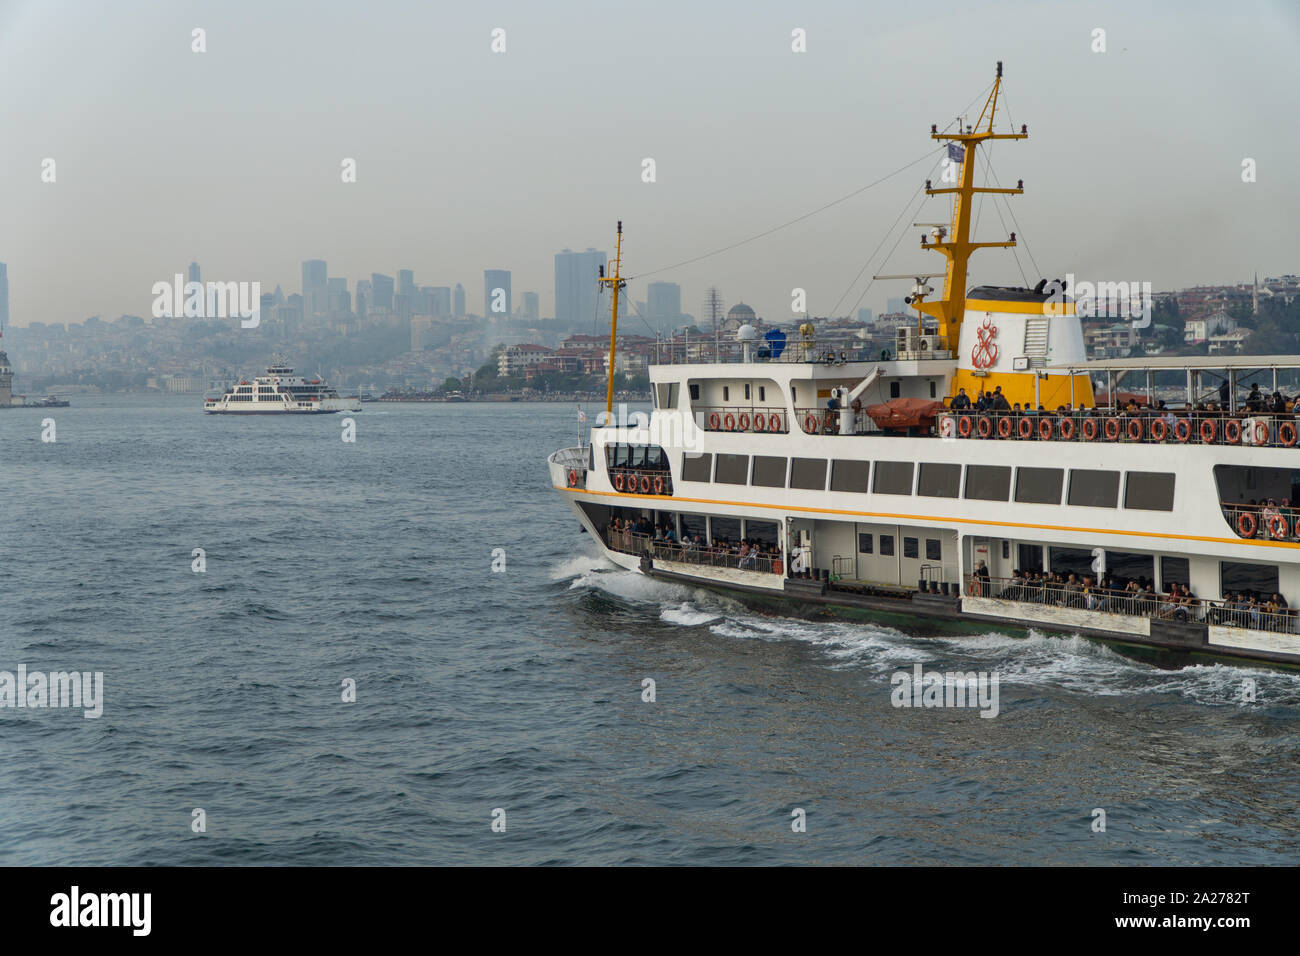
<point x="638" y="543"/>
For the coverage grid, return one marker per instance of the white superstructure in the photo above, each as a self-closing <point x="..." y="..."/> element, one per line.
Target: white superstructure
<point x="280" y="392"/>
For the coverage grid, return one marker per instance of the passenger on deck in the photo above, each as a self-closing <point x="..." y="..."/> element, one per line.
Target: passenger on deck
<point x="961" y="401"/>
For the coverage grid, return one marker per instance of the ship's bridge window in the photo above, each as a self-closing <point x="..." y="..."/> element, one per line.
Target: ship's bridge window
<point x="1149" y="490"/>
<point x="1094" y="489"/>
<point x="732" y="469"/>
<point x="667" y="393"/>
<point x="697" y="467"/>
<point x="643" y="457"/>
<point x="808" y="473"/>
<point x="988" y="482"/>
<point x="1039" y="486"/>
<point x="939" y="480"/>
<point x="769" y="471"/>
<point x="850" y="475"/>
<point x="893" y="478"/>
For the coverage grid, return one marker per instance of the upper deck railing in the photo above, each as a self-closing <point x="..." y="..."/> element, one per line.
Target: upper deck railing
<point x="796" y="351"/>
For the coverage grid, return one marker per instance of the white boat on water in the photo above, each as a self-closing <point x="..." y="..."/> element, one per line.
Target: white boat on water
<point x="808" y="481"/>
<point x="280" y="392"/>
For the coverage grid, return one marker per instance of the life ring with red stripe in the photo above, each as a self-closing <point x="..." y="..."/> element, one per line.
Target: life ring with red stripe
<point x="1286" y="434"/>
<point x="810" y="423"/>
<point x="1112" y="429"/>
<point x="963" y="426"/>
<point x="618" y="482"/>
<point x="1025" y="428"/>
<point x="774" y="422"/>
<point x="573" y="478"/>
<point x="729" y="422"/>
<point x="1232" y="432"/>
<point x="760" y="423"/>
<point x="985" y="428"/>
<point x="645" y="484"/>
<point x="1089" y="429"/>
<point x="1277" y="527"/>
<point x="1004" y="427"/>
<point x="1158" y="429"/>
<point x="1261" y="433"/>
<point x="659" y="484"/>
<point x="1246" y="525"/>
<point x="1044" y="429"/>
<point x="1135" y="429"/>
<point x="1208" y="430"/>
<point x="1182" y="429"/>
<point x="743" y="421"/>
<point x="1067" y="429"/>
<point x="714" y="421"/>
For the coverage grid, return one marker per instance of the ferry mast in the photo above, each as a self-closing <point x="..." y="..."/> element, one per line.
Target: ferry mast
<point x="615" y="282"/>
<point x="957" y="245"/>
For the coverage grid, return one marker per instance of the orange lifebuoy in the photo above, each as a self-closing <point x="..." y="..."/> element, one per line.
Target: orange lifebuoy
<point x="659" y="484"/>
<point x="1232" y="431"/>
<point x="984" y="428"/>
<point x="1025" y="428"/>
<point x="1208" y="428"/>
<point x="810" y="423"/>
<point x="729" y="422"/>
<point x="1112" y="429"/>
<point x="618" y="482"/>
<point x="1286" y="434"/>
<point x="1067" y="429"/>
<point x="645" y="484"/>
<point x="760" y="423"/>
<point x="573" y="478"/>
<point x="1134" y="429"/>
<point x="1004" y="427"/>
<point x="1158" y="429"/>
<point x="972" y="588"/>
<point x="774" y="422"/>
<point x="1089" y="429"/>
<point x="963" y="426"/>
<point x="1182" y="429"/>
<point x="743" y="421"/>
<point x="714" y="421"/>
<point x="1044" y="429"/>
<point x="1277" y="527"/>
<point x="1261" y="433"/>
<point x="1246" y="525"/>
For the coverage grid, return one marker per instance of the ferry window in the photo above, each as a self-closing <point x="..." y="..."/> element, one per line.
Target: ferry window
<point x="697" y="467"/>
<point x="932" y="392"/>
<point x="667" y="395"/>
<point x="988" y="482"/>
<point x="887" y="545"/>
<point x="939" y="480"/>
<point x="762" y="393"/>
<point x="1030" y="557"/>
<point x="636" y="456"/>
<point x="910" y="548"/>
<point x="1070" y="560"/>
<point x="726" y="393"/>
<point x="850" y="475"/>
<point x="933" y="549"/>
<point x="1094" y="489"/>
<point x="808" y="473"/>
<point x="1149" y="490"/>
<point x="724" y="528"/>
<point x="865" y="542"/>
<point x="1129" y="567"/>
<point x="732" y="469"/>
<point x="1237" y="576"/>
<point x="1174" y="571"/>
<point x="894" y="390"/>
<point x="769" y="472"/>
<point x="695" y="391"/>
<point x="893" y="478"/>
<point x="794" y="394"/>
<point x="1039" y="486"/>
<point x="746" y="393"/>
<point x="1241" y="483"/>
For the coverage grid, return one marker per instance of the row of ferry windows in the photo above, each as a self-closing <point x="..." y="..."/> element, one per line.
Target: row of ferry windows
<point x="911" y="546"/>
<point x="1143" y="490"/>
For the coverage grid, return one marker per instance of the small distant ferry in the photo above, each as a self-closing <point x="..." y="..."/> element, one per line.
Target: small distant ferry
<point x="50" y="401"/>
<point x="971" y="477"/>
<point x="280" y="392"/>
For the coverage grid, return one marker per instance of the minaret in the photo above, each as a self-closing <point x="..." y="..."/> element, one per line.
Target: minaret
<point x="1254" y="296"/>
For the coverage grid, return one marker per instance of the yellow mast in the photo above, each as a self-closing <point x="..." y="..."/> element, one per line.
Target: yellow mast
<point x="957" y="245"/>
<point x="616" y="282"/>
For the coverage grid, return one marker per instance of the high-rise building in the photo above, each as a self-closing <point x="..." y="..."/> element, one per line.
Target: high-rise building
<point x="438" y="300"/>
<point x="864" y="316"/>
<point x="496" y="292"/>
<point x="194" y="273"/>
<point x="339" y="300"/>
<point x="577" y="290"/>
<point x="458" y="301"/>
<point x="363" y="297"/>
<point x="406" y="283"/>
<point x="895" y="305"/>
<point x="4" y="296"/>
<point x="532" y="306"/>
<point x="663" y="302"/>
<point x="381" y="292"/>
<point x="315" y="295"/>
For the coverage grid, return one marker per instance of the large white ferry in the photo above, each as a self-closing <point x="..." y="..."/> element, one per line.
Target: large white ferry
<point x="809" y="481"/>
<point x="280" y="392"/>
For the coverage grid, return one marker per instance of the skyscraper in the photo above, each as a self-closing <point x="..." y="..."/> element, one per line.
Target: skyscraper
<point x="406" y="283"/>
<point x="663" y="302"/>
<point x="864" y="316"/>
<point x="576" y="289"/>
<point x="496" y="292"/>
<point x="532" y="306"/>
<point x="895" y="304"/>
<point x="439" y="300"/>
<point x="315" y="297"/>
<point x="194" y="273"/>
<point x="381" y="292"/>
<point x="458" y="301"/>
<point x="339" y="300"/>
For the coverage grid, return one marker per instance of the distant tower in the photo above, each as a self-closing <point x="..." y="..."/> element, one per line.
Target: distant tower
<point x="713" y="308"/>
<point x="496" y="291"/>
<point x="1254" y="296"/>
<point x="194" y="273"/>
<point x="458" y="300"/>
<point x="4" y="297"/>
<point x="6" y="378"/>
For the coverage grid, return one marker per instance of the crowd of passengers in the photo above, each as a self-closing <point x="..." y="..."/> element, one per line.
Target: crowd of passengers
<point x="1139" y="596"/>
<point x="746" y="554"/>
<point x="1256" y="403"/>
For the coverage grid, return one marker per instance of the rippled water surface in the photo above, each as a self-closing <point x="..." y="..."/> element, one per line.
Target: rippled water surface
<point x="522" y="690"/>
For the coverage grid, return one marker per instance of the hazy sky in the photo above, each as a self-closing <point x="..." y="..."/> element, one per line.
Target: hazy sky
<point x="469" y="159"/>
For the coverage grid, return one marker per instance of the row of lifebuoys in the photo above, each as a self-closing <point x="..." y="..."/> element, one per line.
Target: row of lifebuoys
<point x="1247" y="524"/>
<point x="629" y="483"/>
<point x="1112" y="428"/>
<point x="741" y="422"/>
